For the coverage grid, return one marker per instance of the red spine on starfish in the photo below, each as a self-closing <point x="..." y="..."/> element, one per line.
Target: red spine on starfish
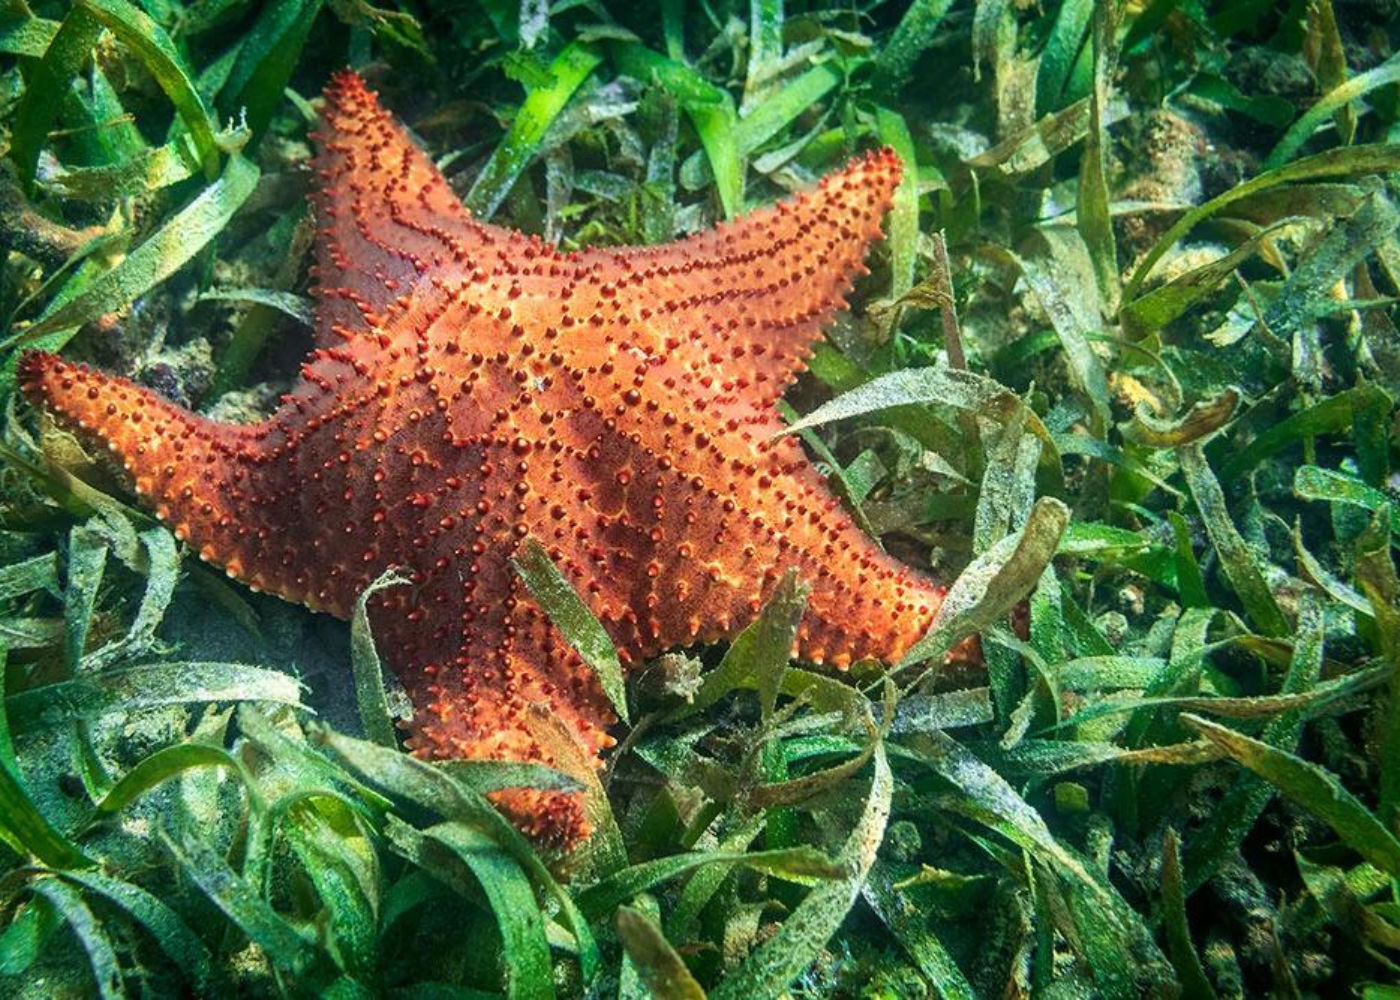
<point x="472" y="387"/>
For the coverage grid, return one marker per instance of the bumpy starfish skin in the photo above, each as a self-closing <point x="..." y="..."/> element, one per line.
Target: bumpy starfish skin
<point x="473" y="386"/>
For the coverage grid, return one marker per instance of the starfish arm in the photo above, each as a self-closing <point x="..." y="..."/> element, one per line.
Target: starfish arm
<point x="270" y="502"/>
<point x="689" y="522"/>
<point x="176" y="460"/>
<point x="742" y="304"/>
<point x="491" y="678"/>
<point x="387" y="217"/>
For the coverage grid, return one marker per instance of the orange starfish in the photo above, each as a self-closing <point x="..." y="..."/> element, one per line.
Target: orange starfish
<point x="472" y="387"/>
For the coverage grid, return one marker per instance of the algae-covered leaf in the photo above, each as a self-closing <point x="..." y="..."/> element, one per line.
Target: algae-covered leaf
<point x="1195" y="985"/>
<point x="427" y="787"/>
<point x="561" y="602"/>
<point x="758" y="655"/>
<point x="35" y="573"/>
<point x="797" y="863"/>
<point x="774" y="964"/>
<point x="1334" y="413"/>
<point x="375" y="715"/>
<point x="1350" y="162"/>
<point x="508" y="893"/>
<point x="91" y="934"/>
<point x="1313" y="788"/>
<point x="1217" y="839"/>
<point x="910" y="928"/>
<point x="1203" y="419"/>
<point x="961" y="389"/>
<point x="917" y="29"/>
<point x="179" y="239"/>
<point x="658" y="964"/>
<point x="541" y="107"/>
<point x="288" y="948"/>
<point x="149" y="41"/>
<point x="1330" y="103"/>
<point x="167" y="927"/>
<point x="1239" y="561"/>
<point x="992" y="584"/>
<point x="159" y="767"/>
<point x="709" y="108"/>
<point x="486" y="776"/>
<point x="131" y="689"/>
<point x="161" y="255"/>
<point x="1313" y="483"/>
<point x="265" y="61"/>
<point x="904" y="216"/>
<point x="1112" y="928"/>
<point x="47" y="85"/>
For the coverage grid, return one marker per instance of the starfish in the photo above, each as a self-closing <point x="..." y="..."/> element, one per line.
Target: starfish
<point x="472" y="387"/>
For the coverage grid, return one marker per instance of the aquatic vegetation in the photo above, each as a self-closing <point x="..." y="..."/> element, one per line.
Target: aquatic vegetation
<point x="1123" y="375"/>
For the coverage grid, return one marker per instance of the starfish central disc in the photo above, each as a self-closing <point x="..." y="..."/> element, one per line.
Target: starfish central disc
<point x="473" y="387"/>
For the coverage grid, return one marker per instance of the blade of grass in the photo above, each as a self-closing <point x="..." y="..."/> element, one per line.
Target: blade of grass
<point x="27" y="36"/>
<point x="1329" y="104"/>
<point x="486" y="776"/>
<point x="1352" y="161"/>
<point x="1060" y="76"/>
<point x="133" y="688"/>
<point x="285" y="946"/>
<point x="87" y="562"/>
<point x="954" y="387"/>
<point x="1191" y="585"/>
<point x="915" y="32"/>
<point x="532" y="120"/>
<point x="35" y="573"/>
<point x="136" y="30"/>
<point x="1236" y="558"/>
<point x="662" y="970"/>
<point x="101" y="955"/>
<point x="1149" y="313"/>
<point x="162" y="570"/>
<point x="1312" y="483"/>
<point x="170" y="931"/>
<point x="783" y="106"/>
<point x="994" y="583"/>
<point x="986" y="798"/>
<point x="420" y="783"/>
<point x="1328" y="416"/>
<point x="47" y="86"/>
<point x="149" y="170"/>
<point x="375" y="716"/>
<point x="1062" y="275"/>
<point x="910" y="928"/>
<point x="1307" y="290"/>
<point x="165" y="763"/>
<point x="775" y="963"/>
<point x="265" y="60"/>
<point x="324" y="840"/>
<point x="904" y="216"/>
<point x="1312" y="787"/>
<point x="1375" y="575"/>
<point x="759" y="655"/>
<point x="1226" y="827"/>
<point x="1094" y="218"/>
<point x="160" y="256"/>
<point x="710" y="109"/>
<point x="563" y="606"/>
<point x="29" y="832"/>
<point x="512" y="902"/>
<point x="176" y="242"/>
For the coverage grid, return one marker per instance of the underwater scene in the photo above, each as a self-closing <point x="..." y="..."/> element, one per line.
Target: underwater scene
<point x="742" y="499"/>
